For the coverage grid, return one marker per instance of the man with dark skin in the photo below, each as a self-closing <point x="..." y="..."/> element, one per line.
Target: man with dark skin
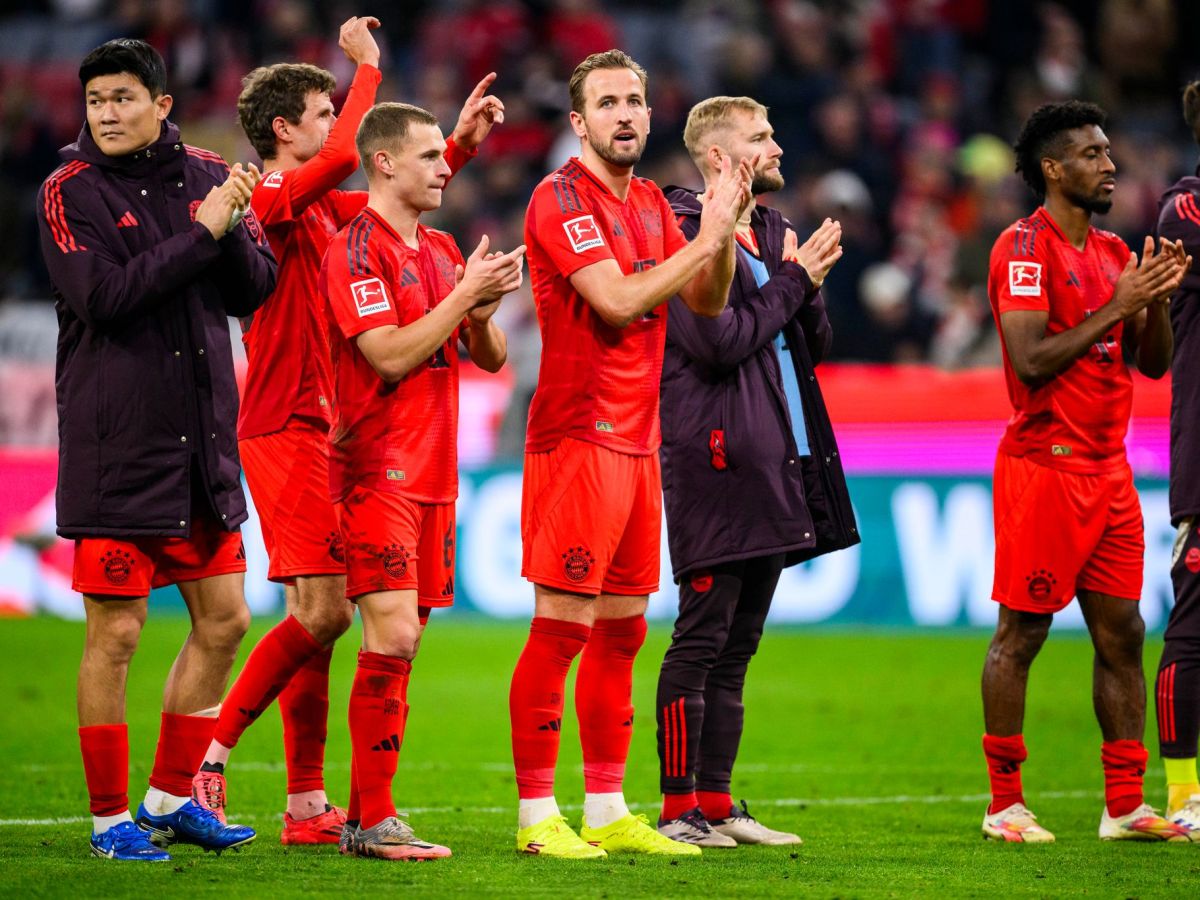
<point x="1065" y="296"/>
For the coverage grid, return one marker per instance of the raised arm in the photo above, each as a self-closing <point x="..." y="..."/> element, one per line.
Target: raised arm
<point x="700" y="272"/>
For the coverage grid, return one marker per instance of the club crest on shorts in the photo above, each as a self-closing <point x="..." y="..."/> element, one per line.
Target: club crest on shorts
<point x="702" y="582"/>
<point x="1040" y="584"/>
<point x="577" y="563"/>
<point x="117" y="565"/>
<point x="1192" y="560"/>
<point x="337" y="550"/>
<point x="395" y="560"/>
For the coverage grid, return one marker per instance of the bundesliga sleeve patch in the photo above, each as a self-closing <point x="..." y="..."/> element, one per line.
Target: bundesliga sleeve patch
<point x="583" y="233"/>
<point x="370" y="296"/>
<point x="1025" y="279"/>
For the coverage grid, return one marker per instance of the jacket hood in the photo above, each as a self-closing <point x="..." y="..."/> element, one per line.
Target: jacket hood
<point x="85" y="148"/>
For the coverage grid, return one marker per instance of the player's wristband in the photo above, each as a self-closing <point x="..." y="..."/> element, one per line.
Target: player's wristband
<point x="237" y="216"/>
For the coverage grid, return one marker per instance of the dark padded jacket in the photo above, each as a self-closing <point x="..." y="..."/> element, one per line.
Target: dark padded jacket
<point x="1179" y="219"/>
<point x="147" y="401"/>
<point x="734" y="485"/>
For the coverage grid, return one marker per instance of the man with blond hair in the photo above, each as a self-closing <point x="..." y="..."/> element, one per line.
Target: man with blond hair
<point x="751" y="474"/>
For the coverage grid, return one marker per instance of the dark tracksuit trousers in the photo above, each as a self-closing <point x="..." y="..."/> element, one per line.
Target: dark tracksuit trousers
<point x="700" y="715"/>
<point x="1177" y="687"/>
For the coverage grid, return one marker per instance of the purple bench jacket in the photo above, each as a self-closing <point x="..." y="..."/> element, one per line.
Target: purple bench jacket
<point x="734" y="485"/>
<point x="147" y="401"/>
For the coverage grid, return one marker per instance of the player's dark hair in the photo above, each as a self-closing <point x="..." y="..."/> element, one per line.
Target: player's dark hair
<point x="278" y="90"/>
<point x="122" y="55"/>
<point x="609" y="59"/>
<point x="384" y="127"/>
<point x="1191" y="108"/>
<point x="1045" y="135"/>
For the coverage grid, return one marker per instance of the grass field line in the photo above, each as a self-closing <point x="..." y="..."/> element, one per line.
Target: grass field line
<point x="511" y="810"/>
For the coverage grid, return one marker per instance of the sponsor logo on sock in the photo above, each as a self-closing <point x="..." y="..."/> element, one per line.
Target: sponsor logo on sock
<point x="391" y="706"/>
<point x="252" y="714"/>
<point x="552" y="725"/>
<point x="389" y="744"/>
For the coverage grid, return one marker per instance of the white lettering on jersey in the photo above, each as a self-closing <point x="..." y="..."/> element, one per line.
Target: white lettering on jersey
<point x="370" y="296"/>
<point x="583" y="233"/>
<point x="1024" y="279"/>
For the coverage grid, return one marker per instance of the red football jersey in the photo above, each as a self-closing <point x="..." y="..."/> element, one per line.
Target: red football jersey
<point x="391" y="437"/>
<point x="597" y="383"/>
<point x="286" y="340"/>
<point x="1077" y="420"/>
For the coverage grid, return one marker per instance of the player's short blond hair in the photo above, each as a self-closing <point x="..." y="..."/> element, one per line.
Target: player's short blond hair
<point x="710" y="115"/>
<point x="384" y="127"/>
<point x="609" y="59"/>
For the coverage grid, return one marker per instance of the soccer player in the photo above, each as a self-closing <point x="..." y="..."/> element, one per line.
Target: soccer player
<point x="605" y="253"/>
<point x="741" y="386"/>
<point x="148" y="254"/>
<point x="1068" y="298"/>
<point x="1177" y="689"/>
<point x="400" y="298"/>
<point x="286" y="112"/>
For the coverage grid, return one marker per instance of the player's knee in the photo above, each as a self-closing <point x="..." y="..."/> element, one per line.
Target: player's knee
<point x="1124" y="643"/>
<point x="399" y="642"/>
<point x="222" y="630"/>
<point x="330" y="622"/>
<point x="117" y="639"/>
<point x="1017" y="645"/>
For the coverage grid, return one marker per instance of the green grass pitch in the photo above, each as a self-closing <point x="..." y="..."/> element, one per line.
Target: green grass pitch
<point x="867" y="744"/>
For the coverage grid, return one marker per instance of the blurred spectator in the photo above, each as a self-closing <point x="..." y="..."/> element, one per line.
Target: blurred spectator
<point x="895" y="117"/>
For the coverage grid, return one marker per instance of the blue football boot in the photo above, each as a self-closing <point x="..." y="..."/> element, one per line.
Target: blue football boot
<point x="193" y="824"/>
<point x="125" y="841"/>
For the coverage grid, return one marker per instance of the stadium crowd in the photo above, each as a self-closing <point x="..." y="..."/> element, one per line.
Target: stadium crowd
<point x="896" y="116"/>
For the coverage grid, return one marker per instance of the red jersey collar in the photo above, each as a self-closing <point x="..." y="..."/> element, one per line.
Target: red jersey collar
<point x="421" y="229"/>
<point x="591" y="176"/>
<point x="1042" y="213"/>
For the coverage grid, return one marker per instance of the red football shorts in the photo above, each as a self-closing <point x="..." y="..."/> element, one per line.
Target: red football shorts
<point x="591" y="520"/>
<point x="112" y="567"/>
<point x="395" y="544"/>
<point x="288" y="475"/>
<point x="1058" y="533"/>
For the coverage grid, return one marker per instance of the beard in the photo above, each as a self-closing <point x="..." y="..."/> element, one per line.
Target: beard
<point x="1095" y="205"/>
<point x="765" y="183"/>
<point x="623" y="157"/>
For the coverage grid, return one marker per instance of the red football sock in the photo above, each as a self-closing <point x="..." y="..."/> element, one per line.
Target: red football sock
<point x="271" y="665"/>
<point x="675" y="805"/>
<point x="714" y="804"/>
<point x="105" y="751"/>
<point x="304" y="706"/>
<point x="182" y="741"/>
<point x="353" y="812"/>
<point x="535" y="701"/>
<point x="1004" y="758"/>
<point x="604" y="700"/>
<point x="1124" y="765"/>
<point x="378" y="706"/>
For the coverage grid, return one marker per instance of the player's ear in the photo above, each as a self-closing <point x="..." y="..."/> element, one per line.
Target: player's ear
<point x="1051" y="169"/>
<point x="578" y="125"/>
<point x="282" y="128"/>
<point x="383" y="163"/>
<point x="162" y="106"/>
